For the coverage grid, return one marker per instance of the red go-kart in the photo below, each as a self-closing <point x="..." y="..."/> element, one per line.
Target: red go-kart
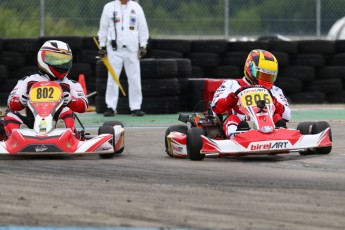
<point x="203" y="134"/>
<point x="45" y="98"/>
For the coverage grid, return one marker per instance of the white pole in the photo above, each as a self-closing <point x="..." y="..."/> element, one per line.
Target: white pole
<point x="318" y="18"/>
<point x="42" y="18"/>
<point x="226" y="19"/>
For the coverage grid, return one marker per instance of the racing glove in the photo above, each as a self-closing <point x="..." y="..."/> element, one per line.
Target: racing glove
<point x="67" y="98"/>
<point x="102" y="52"/>
<point x="279" y="106"/>
<point x="231" y="100"/>
<point x="142" y="52"/>
<point x="23" y="99"/>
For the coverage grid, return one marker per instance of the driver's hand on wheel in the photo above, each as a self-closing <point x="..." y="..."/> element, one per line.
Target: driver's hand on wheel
<point x="231" y="100"/>
<point x="24" y="99"/>
<point x="67" y="98"/>
<point x="279" y="107"/>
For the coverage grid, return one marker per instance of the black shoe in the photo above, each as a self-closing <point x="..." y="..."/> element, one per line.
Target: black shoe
<point x="138" y="113"/>
<point x="109" y="112"/>
<point x="281" y="124"/>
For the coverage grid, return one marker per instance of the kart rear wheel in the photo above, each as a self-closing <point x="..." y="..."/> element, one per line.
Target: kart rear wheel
<point x="317" y="128"/>
<point x="105" y="129"/>
<point x="174" y="128"/>
<point x="194" y="144"/>
<point x="112" y="123"/>
<point x="305" y="128"/>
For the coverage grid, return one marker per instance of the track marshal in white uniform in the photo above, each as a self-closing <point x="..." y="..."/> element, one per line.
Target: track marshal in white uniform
<point x="123" y="36"/>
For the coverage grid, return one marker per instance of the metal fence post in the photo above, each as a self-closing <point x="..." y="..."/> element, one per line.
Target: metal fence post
<point x="226" y="19"/>
<point x="41" y="17"/>
<point x="318" y="18"/>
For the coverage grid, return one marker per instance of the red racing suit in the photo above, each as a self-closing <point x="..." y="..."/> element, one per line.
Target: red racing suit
<point x="219" y="104"/>
<point x="79" y="102"/>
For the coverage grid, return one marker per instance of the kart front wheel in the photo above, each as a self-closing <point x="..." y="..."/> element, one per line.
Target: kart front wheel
<point x="173" y="128"/>
<point x="194" y="144"/>
<point x="305" y="128"/>
<point x="112" y="124"/>
<point x="105" y="129"/>
<point x="317" y="128"/>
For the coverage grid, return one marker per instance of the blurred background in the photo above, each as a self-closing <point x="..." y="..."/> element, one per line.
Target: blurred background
<point x="229" y="19"/>
<point x="194" y="45"/>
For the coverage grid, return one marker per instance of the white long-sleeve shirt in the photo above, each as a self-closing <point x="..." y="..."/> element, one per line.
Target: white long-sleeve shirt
<point x="131" y="27"/>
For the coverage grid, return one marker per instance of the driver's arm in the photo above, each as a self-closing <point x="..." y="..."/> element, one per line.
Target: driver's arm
<point x="224" y="98"/>
<point x="79" y="101"/>
<point x="14" y="101"/>
<point x="281" y="103"/>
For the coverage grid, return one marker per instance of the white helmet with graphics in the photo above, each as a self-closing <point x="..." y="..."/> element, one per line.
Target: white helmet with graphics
<point x="55" y="59"/>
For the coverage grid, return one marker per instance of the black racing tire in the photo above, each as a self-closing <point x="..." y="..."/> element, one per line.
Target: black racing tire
<point x="81" y="68"/>
<point x="3" y="73"/>
<point x="105" y="129"/>
<point x="184" y="68"/>
<point x="289" y="47"/>
<point x="194" y="144"/>
<point x="174" y="128"/>
<point x="101" y="70"/>
<point x="204" y="60"/>
<point x="305" y="128"/>
<point x="247" y="46"/>
<point x="154" y="53"/>
<point x="302" y="73"/>
<point x="89" y="43"/>
<point x="331" y="72"/>
<point x="100" y="104"/>
<point x="210" y="46"/>
<point x="235" y="58"/>
<point x="282" y="58"/>
<point x="226" y="71"/>
<point x="317" y="128"/>
<point x="314" y="60"/>
<point x="182" y="46"/>
<point x="308" y="98"/>
<point x="113" y="123"/>
<point x="325" y="86"/>
<point x="316" y="46"/>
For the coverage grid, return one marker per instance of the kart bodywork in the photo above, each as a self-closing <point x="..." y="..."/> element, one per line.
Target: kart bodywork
<point x="45" y="99"/>
<point x="203" y="135"/>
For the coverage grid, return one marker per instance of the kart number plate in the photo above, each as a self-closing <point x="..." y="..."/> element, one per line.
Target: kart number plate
<point x="45" y="93"/>
<point x="250" y="98"/>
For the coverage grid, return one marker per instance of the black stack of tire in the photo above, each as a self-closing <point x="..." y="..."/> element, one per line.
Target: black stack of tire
<point x="174" y="71"/>
<point x="18" y="58"/>
<point x="161" y="86"/>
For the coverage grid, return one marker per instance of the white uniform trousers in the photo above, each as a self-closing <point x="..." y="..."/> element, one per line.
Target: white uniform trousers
<point x="123" y="57"/>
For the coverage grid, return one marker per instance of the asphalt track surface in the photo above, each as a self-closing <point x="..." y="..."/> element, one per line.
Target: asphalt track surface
<point x="143" y="187"/>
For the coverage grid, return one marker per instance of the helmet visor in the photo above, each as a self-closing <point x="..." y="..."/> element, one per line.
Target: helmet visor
<point x="59" y="60"/>
<point x="268" y="77"/>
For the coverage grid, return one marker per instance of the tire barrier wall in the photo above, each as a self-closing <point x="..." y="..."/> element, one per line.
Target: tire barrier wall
<point x="174" y="72"/>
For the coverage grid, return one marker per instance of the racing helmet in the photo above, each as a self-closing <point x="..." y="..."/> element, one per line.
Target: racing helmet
<point x="55" y="59"/>
<point x="261" y="68"/>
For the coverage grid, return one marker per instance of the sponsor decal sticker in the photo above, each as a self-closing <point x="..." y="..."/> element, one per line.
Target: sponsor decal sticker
<point x="41" y="148"/>
<point x="268" y="145"/>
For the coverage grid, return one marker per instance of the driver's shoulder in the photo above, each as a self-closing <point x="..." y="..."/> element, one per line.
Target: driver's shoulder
<point x="276" y="89"/>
